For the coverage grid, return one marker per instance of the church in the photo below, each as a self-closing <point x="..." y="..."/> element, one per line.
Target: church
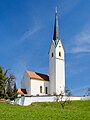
<point x="36" y="84"/>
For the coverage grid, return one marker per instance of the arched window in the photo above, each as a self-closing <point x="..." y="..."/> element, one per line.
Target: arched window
<point x="60" y="54"/>
<point x="52" y="54"/>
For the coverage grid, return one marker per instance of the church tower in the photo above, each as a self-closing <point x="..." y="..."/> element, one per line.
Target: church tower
<point x="56" y="62"/>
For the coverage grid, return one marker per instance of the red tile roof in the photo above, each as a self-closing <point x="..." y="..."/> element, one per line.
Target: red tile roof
<point x="39" y="76"/>
<point x="21" y="91"/>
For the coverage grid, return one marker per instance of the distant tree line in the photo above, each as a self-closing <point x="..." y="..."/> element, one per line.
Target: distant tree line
<point x="8" y="88"/>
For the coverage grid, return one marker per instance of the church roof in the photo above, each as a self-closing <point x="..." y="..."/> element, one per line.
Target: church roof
<point x="56" y="36"/>
<point x="38" y="76"/>
<point x="21" y="91"/>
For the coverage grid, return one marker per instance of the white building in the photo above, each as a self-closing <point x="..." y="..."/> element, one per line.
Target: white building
<point x="41" y="84"/>
<point x="35" y="83"/>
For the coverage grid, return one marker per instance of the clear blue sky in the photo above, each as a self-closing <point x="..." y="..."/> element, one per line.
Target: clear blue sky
<point x="26" y="31"/>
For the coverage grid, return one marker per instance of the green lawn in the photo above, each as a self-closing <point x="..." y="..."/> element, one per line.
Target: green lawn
<point x="76" y="110"/>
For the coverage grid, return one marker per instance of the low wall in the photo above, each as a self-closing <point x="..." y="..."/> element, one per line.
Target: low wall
<point x="86" y="98"/>
<point x="27" y="100"/>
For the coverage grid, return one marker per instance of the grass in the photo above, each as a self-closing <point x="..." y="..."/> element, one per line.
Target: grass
<point x="76" y="110"/>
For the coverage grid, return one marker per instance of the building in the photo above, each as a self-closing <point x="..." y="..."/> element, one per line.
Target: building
<point x="41" y="84"/>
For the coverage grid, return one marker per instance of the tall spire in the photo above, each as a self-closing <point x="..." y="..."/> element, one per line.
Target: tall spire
<point x="56" y="36"/>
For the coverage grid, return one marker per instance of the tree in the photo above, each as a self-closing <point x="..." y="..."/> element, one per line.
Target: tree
<point x="11" y="87"/>
<point x="14" y="88"/>
<point x="60" y="97"/>
<point x="88" y="91"/>
<point x="2" y="83"/>
<point x="9" y="90"/>
<point x="7" y="84"/>
<point x="67" y="92"/>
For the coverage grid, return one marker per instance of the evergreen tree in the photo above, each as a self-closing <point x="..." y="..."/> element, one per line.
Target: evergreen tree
<point x="9" y="89"/>
<point x="2" y="83"/>
<point x="14" y="88"/>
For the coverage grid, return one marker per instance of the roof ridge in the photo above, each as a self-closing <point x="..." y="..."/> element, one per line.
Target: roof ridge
<point x="37" y="72"/>
<point x="37" y="76"/>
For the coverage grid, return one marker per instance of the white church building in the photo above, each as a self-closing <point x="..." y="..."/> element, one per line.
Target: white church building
<point x="35" y="83"/>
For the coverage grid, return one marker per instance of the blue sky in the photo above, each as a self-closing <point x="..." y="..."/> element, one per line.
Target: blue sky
<point x="26" y="31"/>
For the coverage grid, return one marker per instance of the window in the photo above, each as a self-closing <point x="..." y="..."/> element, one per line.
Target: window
<point x="40" y="89"/>
<point x="46" y="90"/>
<point x="52" y="54"/>
<point x="60" y="54"/>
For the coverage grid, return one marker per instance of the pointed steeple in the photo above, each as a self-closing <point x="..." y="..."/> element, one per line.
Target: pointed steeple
<point x="56" y="36"/>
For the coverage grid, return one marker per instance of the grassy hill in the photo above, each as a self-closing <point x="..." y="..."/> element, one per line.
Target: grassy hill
<point x="75" y="110"/>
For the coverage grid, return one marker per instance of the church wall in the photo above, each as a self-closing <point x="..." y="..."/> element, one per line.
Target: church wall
<point x="52" y="68"/>
<point x="56" y="68"/>
<point x="35" y="86"/>
<point x="60" y="76"/>
<point x="60" y="68"/>
<point x="25" y="83"/>
<point x="60" y="49"/>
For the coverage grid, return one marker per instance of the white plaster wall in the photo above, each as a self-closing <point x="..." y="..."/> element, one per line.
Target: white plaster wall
<point x="86" y="98"/>
<point x="25" y="83"/>
<point x="26" y="100"/>
<point x="38" y="99"/>
<point x="52" y="72"/>
<point x="35" y="86"/>
<point x="57" y="69"/>
<point x="60" y="48"/>
<point x="75" y="98"/>
<point x="60" y="76"/>
<point x="60" y="69"/>
<point x="52" y="68"/>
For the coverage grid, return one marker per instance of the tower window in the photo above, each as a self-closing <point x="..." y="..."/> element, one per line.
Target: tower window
<point x="60" y="54"/>
<point x="52" y="54"/>
<point x="40" y="89"/>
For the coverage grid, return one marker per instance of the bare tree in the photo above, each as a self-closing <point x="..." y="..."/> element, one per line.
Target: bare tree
<point x="68" y="92"/>
<point x="64" y="98"/>
<point x="88" y="91"/>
